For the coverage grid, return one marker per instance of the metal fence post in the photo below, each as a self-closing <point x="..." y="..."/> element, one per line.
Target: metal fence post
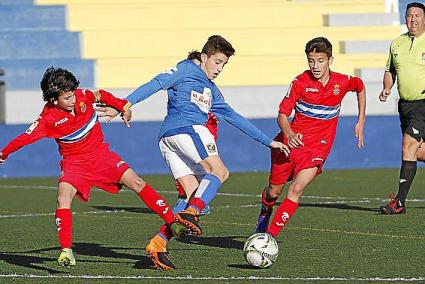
<point x="2" y="99"/>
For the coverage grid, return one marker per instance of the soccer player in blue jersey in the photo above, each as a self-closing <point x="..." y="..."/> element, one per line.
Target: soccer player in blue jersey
<point x="184" y="139"/>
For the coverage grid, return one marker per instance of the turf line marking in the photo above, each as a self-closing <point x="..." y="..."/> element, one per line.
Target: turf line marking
<point x="224" y="278"/>
<point x="343" y="198"/>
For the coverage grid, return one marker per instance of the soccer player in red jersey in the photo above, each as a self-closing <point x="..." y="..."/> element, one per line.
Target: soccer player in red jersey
<point x="70" y="119"/>
<point x="316" y="97"/>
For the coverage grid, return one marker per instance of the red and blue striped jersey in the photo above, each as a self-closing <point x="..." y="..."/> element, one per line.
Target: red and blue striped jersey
<point x="317" y="107"/>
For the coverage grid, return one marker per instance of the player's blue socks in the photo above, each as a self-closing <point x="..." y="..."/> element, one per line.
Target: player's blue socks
<point x="206" y="191"/>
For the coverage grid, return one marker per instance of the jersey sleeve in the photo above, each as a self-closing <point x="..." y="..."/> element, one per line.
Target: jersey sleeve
<point x="355" y="84"/>
<point x="225" y="112"/>
<point x="107" y="98"/>
<point x="143" y="92"/>
<point x="389" y="67"/>
<point x="288" y="102"/>
<point x="35" y="132"/>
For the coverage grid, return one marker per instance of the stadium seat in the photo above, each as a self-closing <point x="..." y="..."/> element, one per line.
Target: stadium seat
<point x="34" y="38"/>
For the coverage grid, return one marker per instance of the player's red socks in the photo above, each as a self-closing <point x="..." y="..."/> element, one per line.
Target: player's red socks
<point x="197" y="203"/>
<point x="158" y="204"/>
<point x="166" y="232"/>
<point x="63" y="218"/>
<point x="180" y="189"/>
<point x="282" y="216"/>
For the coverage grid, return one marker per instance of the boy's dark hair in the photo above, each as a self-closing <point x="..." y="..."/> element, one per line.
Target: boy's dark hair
<point x="56" y="81"/>
<point x="217" y="44"/>
<point x="319" y="44"/>
<point x="194" y="54"/>
<point x="416" y="5"/>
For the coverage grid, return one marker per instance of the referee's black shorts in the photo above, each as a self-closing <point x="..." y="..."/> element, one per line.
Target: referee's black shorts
<point x="412" y="118"/>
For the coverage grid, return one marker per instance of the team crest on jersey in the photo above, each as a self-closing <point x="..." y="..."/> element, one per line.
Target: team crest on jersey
<point x="32" y="127"/>
<point x="83" y="107"/>
<point x="211" y="148"/>
<point x="336" y="90"/>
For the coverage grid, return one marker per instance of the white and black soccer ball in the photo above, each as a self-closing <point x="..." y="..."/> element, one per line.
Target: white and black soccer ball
<point x="261" y="250"/>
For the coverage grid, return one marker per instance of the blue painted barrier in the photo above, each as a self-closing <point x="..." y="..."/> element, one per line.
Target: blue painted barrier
<point x="13" y="17"/>
<point x="138" y="146"/>
<point x="39" y="44"/>
<point x="25" y="74"/>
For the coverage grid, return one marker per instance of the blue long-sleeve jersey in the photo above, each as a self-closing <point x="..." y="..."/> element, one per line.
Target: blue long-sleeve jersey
<point x="191" y="95"/>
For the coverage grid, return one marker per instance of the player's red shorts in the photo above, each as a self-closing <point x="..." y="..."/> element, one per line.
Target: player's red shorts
<point x="103" y="170"/>
<point x="284" y="168"/>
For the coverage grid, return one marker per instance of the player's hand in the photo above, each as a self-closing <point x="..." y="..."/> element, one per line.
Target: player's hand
<point x="1" y="159"/>
<point x="106" y="111"/>
<point x="383" y="96"/>
<point x="110" y="113"/>
<point x="282" y="147"/>
<point x="359" y="134"/>
<point x="295" y="140"/>
<point x="126" y="116"/>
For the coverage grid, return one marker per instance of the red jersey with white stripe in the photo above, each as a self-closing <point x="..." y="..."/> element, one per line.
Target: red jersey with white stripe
<point x="77" y="134"/>
<point x="317" y="107"/>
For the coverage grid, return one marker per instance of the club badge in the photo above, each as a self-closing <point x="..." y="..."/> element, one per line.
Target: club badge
<point x="336" y="90"/>
<point x="83" y="107"/>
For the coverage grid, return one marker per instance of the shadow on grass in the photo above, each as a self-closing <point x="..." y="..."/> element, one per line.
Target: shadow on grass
<point x="28" y="260"/>
<point x="244" y="266"/>
<point x="340" y="206"/>
<point x="228" y="242"/>
<point x="96" y="250"/>
<point x="124" y="209"/>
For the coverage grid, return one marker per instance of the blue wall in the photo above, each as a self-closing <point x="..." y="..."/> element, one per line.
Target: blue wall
<point x="138" y="146"/>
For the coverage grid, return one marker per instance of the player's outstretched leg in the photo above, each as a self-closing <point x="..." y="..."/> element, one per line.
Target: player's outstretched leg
<point x="158" y="253"/>
<point x="394" y="207"/>
<point x="66" y="258"/>
<point x="266" y="211"/>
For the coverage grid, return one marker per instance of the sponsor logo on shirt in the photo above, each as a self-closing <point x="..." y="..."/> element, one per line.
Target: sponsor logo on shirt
<point x="63" y="120"/>
<point x="336" y="90"/>
<point x="83" y="107"/>
<point x="32" y="127"/>
<point x="311" y="90"/>
<point x="317" y="159"/>
<point x="323" y="141"/>
<point x="202" y="100"/>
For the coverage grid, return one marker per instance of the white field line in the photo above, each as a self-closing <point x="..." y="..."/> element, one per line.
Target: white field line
<point x="343" y="199"/>
<point x="220" y="278"/>
<point x="109" y="212"/>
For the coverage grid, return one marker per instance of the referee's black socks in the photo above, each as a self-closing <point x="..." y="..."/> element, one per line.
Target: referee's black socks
<point x="407" y="174"/>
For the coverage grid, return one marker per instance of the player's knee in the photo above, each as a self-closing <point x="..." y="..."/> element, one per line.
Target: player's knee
<point x="222" y="173"/>
<point x="64" y="201"/>
<point x="296" y="189"/>
<point x="275" y="190"/>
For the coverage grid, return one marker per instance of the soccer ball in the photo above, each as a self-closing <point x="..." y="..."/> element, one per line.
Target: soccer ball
<point x="261" y="250"/>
